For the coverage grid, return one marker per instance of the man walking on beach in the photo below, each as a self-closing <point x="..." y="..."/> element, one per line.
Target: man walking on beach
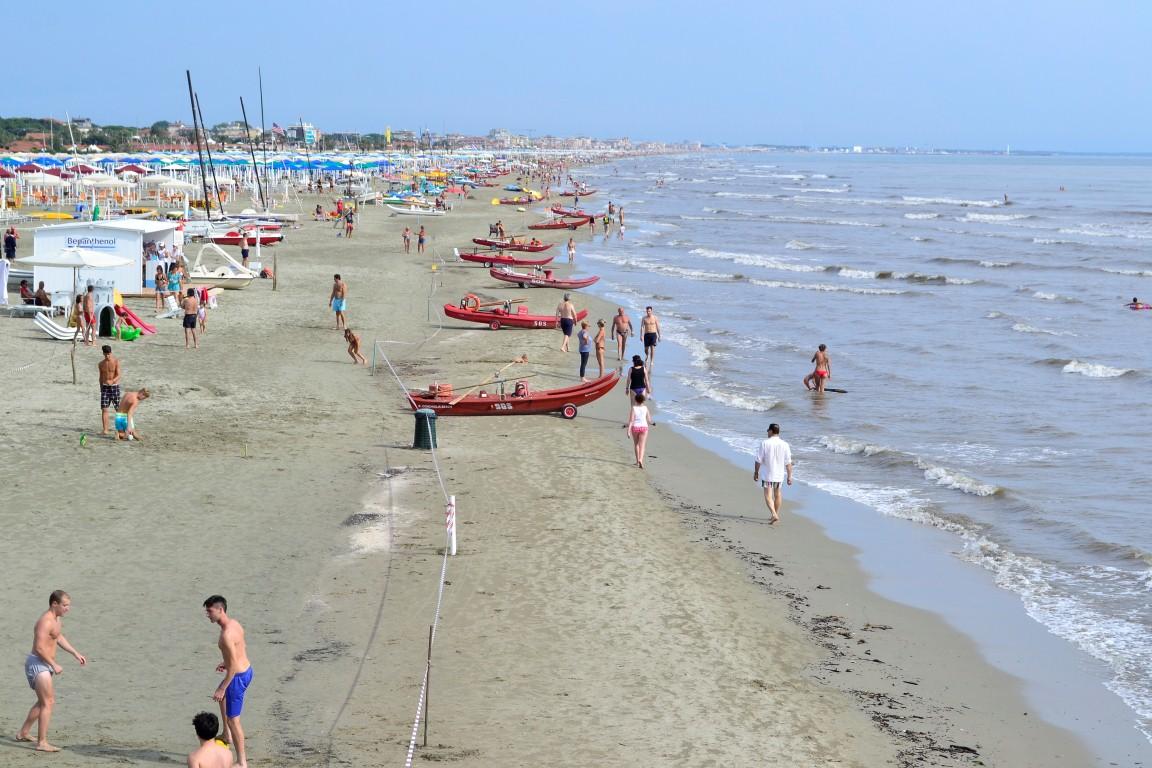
<point x="420" y="238"/>
<point x="823" y="371"/>
<point x="109" y="369"/>
<point x="41" y="666"/>
<point x="775" y="456"/>
<point x="90" y="317"/>
<point x="212" y="753"/>
<point x="338" y="300"/>
<point x="237" y="674"/>
<point x="621" y="330"/>
<point x="566" y="312"/>
<point x="191" y="307"/>
<point x="650" y="328"/>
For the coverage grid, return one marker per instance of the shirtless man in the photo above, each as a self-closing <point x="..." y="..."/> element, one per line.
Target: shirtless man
<point x="650" y="327"/>
<point x="354" y="347"/>
<point x="90" y="317"/>
<point x="566" y="312"/>
<point x="212" y="753"/>
<point x="338" y="300"/>
<point x="191" y="306"/>
<point x="126" y="416"/>
<point x="823" y="371"/>
<point x="41" y="665"/>
<point x="237" y="674"/>
<point x="109" y="369"/>
<point x="621" y="330"/>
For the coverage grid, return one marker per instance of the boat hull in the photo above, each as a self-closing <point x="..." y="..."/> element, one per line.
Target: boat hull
<point x="497" y="318"/>
<point x="492" y="258"/>
<point x="565" y="401"/>
<point x="525" y="280"/>
<point x="573" y="224"/>
<point x="506" y="245"/>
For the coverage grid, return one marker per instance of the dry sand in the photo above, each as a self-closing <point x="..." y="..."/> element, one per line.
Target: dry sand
<point x="596" y="614"/>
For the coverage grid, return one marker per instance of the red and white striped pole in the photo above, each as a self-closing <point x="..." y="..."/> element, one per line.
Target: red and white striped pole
<point x="450" y="522"/>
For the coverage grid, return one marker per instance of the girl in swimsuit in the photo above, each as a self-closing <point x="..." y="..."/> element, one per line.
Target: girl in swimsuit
<point x="639" y="419"/>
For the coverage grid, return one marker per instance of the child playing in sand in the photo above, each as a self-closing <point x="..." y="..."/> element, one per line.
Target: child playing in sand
<point x="125" y="424"/>
<point x="354" y="347"/>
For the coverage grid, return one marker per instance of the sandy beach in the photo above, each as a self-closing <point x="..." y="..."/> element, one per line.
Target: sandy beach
<point x="595" y="613"/>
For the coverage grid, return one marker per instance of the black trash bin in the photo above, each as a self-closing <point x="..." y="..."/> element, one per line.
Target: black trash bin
<point x="425" y="436"/>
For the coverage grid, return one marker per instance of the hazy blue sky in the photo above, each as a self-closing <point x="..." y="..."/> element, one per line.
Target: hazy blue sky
<point x="1062" y="74"/>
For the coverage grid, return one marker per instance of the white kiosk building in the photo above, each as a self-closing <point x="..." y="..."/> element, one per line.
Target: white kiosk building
<point x="122" y="237"/>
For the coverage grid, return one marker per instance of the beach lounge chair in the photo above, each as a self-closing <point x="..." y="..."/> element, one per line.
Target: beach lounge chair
<point x="54" y="329"/>
<point x="28" y="310"/>
<point x="171" y="308"/>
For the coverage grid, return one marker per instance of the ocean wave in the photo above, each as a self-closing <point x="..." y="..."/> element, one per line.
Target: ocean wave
<point x="857" y="274"/>
<point x="957" y="481"/>
<point x="934" y="473"/>
<point x="1026" y="328"/>
<point x="1108" y="230"/>
<point x="911" y="200"/>
<point x="823" y="190"/>
<point x="917" y="277"/>
<point x="756" y="260"/>
<point x="817" y="220"/>
<point x="1128" y="272"/>
<point x="921" y="216"/>
<point x="701" y="353"/>
<point x="800" y="245"/>
<point x="1053" y="241"/>
<point x="1095" y="370"/>
<point x="919" y="239"/>
<point x="827" y="288"/>
<point x="729" y="395"/>
<point x="694" y="274"/>
<point x="996" y="218"/>
<point x="843" y="445"/>
<point x="996" y="264"/>
<point x="747" y="195"/>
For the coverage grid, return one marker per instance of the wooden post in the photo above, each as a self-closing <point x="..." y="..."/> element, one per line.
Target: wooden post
<point x="428" y="685"/>
<point x="275" y="271"/>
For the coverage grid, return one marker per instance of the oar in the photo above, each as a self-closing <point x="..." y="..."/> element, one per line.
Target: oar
<point x="831" y="389"/>
<point x="497" y="303"/>
<point x="521" y="359"/>
<point x="503" y="381"/>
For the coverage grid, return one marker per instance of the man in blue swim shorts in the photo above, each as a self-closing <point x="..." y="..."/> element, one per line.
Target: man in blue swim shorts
<point x="338" y="300"/>
<point x="237" y="674"/>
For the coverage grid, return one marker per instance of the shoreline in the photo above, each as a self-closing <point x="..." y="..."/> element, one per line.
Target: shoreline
<point x="584" y="620"/>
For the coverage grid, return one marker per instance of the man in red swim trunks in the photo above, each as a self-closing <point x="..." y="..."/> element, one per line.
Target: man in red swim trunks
<point x="90" y="317"/>
<point x="823" y="371"/>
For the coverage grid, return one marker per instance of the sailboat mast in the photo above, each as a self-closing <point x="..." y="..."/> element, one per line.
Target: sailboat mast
<point x="199" y="151"/>
<point x="263" y="141"/>
<point x="208" y="151"/>
<point x="252" y="154"/>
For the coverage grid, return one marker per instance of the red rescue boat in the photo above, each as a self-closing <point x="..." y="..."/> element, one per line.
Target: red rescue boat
<point x="512" y="245"/>
<point x="491" y="258"/>
<point x="560" y="223"/>
<point x="541" y="280"/>
<point x="522" y="400"/>
<point x="517" y="200"/>
<point x="499" y="314"/>
<point x="236" y="238"/>
<point x="578" y="193"/>
<point x="575" y="213"/>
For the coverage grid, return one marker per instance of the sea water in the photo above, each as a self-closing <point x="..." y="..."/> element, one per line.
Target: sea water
<point x="997" y="385"/>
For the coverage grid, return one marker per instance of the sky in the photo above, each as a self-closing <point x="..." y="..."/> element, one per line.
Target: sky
<point x="1065" y="75"/>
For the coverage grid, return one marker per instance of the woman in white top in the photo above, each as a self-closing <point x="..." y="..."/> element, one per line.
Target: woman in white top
<point x="639" y="419"/>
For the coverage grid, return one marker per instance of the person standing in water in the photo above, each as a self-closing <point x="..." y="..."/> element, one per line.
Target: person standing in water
<point x="823" y="371"/>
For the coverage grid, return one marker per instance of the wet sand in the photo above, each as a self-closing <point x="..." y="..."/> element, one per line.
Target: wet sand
<point x="594" y="614"/>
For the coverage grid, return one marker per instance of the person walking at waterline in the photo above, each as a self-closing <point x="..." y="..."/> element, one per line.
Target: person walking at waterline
<point x="775" y="456"/>
<point x="639" y="419"/>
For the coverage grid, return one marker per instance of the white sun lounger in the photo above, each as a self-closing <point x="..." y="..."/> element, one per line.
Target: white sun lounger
<point x="54" y="329"/>
<point x="171" y="308"/>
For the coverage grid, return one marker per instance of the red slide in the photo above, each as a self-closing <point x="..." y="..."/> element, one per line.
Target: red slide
<point x="134" y="320"/>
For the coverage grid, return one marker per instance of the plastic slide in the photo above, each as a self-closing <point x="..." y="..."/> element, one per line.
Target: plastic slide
<point x="54" y="329"/>
<point x="134" y="320"/>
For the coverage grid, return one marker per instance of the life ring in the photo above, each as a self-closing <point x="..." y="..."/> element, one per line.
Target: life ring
<point x="470" y="299"/>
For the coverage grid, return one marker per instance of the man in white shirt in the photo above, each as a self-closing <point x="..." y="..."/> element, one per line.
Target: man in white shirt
<point x="775" y="456"/>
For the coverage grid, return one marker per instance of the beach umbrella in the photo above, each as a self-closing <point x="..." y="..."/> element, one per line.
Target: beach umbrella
<point x="75" y="259"/>
<point x="177" y="184"/>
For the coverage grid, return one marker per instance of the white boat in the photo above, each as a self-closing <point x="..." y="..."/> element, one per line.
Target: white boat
<point x="248" y="214"/>
<point x="231" y="275"/>
<point x="415" y="210"/>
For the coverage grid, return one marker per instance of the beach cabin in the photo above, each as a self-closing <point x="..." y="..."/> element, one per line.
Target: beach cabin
<point x="121" y="237"/>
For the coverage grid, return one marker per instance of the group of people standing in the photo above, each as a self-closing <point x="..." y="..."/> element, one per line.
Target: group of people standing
<point x="41" y="667"/>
